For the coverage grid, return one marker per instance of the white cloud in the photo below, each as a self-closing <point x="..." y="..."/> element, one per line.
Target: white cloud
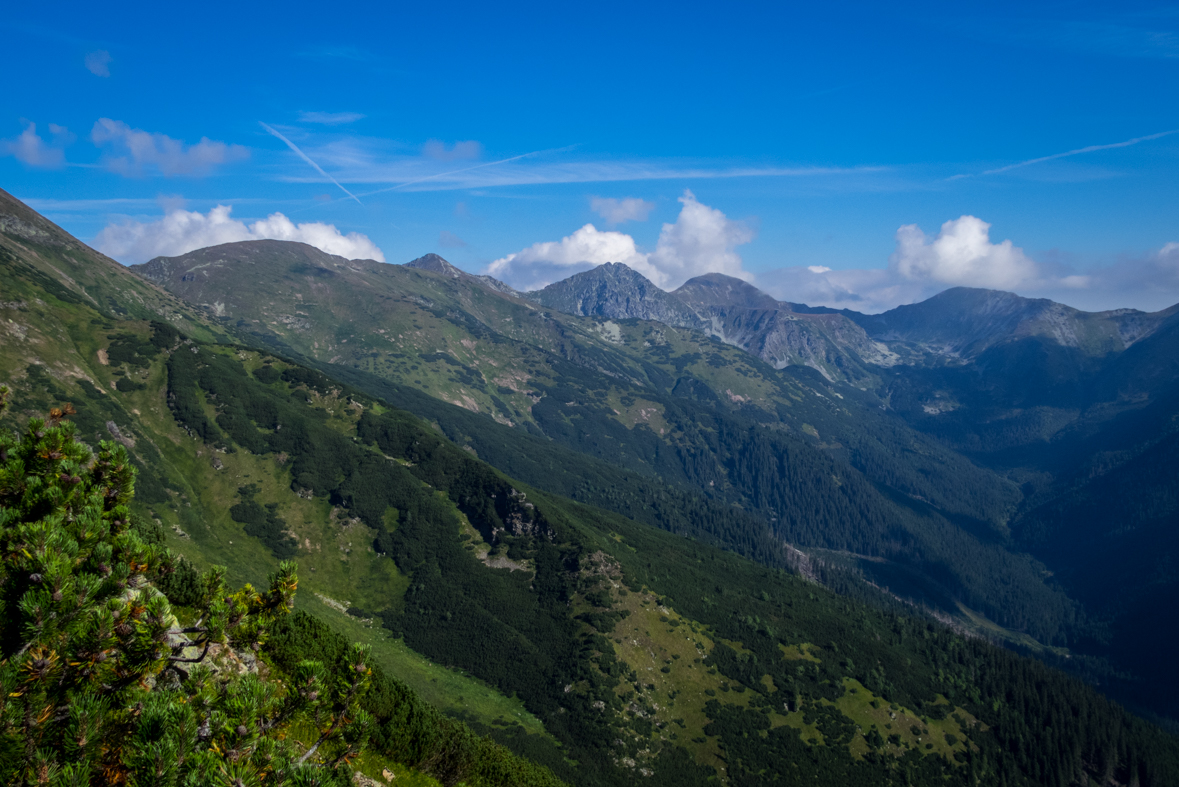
<point x="617" y="211"/>
<point x="543" y="263"/>
<point x="98" y="63"/>
<point x="330" y="118"/>
<point x="181" y="231"/>
<point x="29" y="148"/>
<point x="142" y="151"/>
<point x="701" y="240"/>
<point x="864" y="290"/>
<point x="437" y="150"/>
<point x="961" y="254"/>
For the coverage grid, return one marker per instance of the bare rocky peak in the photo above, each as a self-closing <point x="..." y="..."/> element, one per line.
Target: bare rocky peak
<point x="617" y="291"/>
<point x="435" y="263"/>
<point x="725" y="307"/>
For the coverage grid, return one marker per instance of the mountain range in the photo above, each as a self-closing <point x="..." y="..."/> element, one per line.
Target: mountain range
<point x="718" y="539"/>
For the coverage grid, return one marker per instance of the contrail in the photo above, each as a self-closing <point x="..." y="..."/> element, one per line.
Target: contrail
<point x="1089" y="149"/>
<point x="305" y="157"/>
<point x="464" y="169"/>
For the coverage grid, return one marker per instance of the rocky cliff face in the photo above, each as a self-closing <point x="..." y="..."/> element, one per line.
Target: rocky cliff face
<point x="728" y="308"/>
<point x="616" y="291"/>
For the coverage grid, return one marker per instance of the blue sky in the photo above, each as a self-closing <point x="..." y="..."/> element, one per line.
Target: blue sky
<point x="789" y="145"/>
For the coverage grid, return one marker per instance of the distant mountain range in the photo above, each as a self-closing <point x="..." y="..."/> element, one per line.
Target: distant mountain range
<point x="781" y="334"/>
<point x="957" y="325"/>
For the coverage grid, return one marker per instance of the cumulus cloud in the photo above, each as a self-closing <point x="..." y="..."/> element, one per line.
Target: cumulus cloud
<point x="701" y="240"/>
<point x="543" y="263"/>
<point x="961" y="254"/>
<point x="136" y="152"/>
<point x="181" y="231"/>
<point x="864" y="290"/>
<point x="31" y="149"/>
<point x="330" y="118"/>
<point x="617" y="211"/>
<point x="98" y="63"/>
<point x="437" y="150"/>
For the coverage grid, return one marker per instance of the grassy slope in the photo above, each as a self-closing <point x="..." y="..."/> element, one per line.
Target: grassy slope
<point x="39" y="257"/>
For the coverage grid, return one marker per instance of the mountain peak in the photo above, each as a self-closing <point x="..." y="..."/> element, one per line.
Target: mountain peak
<point x="615" y="290"/>
<point x="718" y="289"/>
<point x="966" y="321"/>
<point x="268" y="255"/>
<point x="435" y="263"/>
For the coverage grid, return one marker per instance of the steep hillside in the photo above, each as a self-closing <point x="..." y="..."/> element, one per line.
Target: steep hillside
<point x="38" y="256"/>
<point x="522" y="365"/>
<point x="1112" y="541"/>
<point x="1028" y="353"/>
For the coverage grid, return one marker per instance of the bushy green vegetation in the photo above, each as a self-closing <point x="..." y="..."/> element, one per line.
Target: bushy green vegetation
<point x="104" y="683"/>
<point x="101" y="684"/>
<point x="405" y="729"/>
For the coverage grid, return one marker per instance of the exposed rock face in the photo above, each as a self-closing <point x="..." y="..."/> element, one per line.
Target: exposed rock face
<point x="432" y="262"/>
<point x="615" y="290"/>
<point x="955" y="326"/>
<point x="728" y="308"/>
